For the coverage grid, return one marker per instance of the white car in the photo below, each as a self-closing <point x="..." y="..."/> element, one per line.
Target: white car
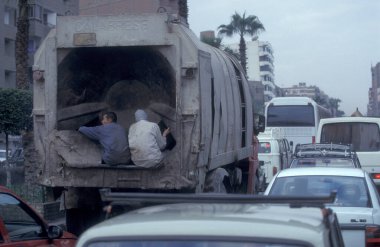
<point x="274" y="152"/>
<point x="218" y="224"/>
<point x="357" y="200"/>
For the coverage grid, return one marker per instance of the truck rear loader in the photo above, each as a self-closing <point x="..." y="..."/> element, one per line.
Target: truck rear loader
<point x="89" y="64"/>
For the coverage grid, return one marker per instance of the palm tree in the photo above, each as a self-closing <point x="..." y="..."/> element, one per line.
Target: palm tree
<point x="183" y="9"/>
<point x="22" y="37"/>
<point x="242" y="25"/>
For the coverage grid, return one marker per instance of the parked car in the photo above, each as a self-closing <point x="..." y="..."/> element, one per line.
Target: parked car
<point x="21" y="225"/>
<point x="316" y="154"/>
<point x="275" y="154"/>
<point x="230" y="222"/>
<point x="357" y="200"/>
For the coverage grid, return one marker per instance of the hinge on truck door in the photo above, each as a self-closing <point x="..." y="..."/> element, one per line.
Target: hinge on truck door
<point x="197" y="148"/>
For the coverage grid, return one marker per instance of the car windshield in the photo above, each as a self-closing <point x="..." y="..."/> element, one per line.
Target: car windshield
<point x="320" y="162"/>
<point x="193" y="243"/>
<point x="351" y="191"/>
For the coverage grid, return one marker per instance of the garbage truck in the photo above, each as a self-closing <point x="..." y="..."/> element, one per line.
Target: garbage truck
<point x="90" y="64"/>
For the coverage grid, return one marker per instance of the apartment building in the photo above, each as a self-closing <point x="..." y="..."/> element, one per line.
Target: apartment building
<point x="42" y="18"/>
<point x="260" y="65"/>
<point x="266" y="62"/>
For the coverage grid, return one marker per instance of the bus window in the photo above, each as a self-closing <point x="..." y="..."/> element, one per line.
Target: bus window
<point x="364" y="137"/>
<point x="290" y="116"/>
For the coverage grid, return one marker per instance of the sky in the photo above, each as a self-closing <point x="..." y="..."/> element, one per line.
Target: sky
<point x="327" y="43"/>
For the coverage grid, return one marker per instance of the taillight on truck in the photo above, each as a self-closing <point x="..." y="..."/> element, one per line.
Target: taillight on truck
<point x="375" y="175"/>
<point x="372" y="236"/>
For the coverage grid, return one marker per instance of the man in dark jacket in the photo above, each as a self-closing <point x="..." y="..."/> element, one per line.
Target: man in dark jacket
<point x="112" y="137"/>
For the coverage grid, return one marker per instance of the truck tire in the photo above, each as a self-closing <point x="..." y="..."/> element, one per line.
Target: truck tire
<point x="215" y="181"/>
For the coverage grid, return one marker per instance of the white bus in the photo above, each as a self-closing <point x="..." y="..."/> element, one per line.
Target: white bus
<point x="297" y="116"/>
<point x="362" y="133"/>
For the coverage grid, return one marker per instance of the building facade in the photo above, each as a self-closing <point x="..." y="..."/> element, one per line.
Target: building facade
<point x="266" y="61"/>
<point x="42" y="17"/>
<point x="373" y="108"/>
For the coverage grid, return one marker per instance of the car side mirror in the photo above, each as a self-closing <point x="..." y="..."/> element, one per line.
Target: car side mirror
<point x="259" y="123"/>
<point x="54" y="232"/>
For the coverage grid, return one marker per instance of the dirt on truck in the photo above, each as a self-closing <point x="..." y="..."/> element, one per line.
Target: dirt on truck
<point x="89" y="64"/>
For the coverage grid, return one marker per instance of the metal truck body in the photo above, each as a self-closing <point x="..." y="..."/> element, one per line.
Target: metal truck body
<point x="121" y="63"/>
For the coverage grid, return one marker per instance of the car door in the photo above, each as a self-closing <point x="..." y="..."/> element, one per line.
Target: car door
<point x="288" y="153"/>
<point x="21" y="226"/>
<point x="283" y="158"/>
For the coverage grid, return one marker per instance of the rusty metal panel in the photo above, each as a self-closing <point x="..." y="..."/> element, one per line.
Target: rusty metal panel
<point x="217" y="103"/>
<point x="206" y="113"/>
<point x="120" y="30"/>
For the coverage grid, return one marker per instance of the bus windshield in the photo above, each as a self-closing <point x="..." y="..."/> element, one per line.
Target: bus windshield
<point x="362" y="136"/>
<point x="290" y="116"/>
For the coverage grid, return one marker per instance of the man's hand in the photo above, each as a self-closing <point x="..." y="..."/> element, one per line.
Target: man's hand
<point x="166" y="132"/>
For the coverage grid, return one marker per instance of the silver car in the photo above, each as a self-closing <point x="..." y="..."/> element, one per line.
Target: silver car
<point x="357" y="201"/>
<point x="218" y="224"/>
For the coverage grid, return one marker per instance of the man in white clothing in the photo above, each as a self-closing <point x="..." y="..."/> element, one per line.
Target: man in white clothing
<point x="146" y="142"/>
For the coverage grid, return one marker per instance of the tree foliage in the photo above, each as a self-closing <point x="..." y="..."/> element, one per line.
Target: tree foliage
<point x="22" y="39"/>
<point x="242" y="25"/>
<point x="15" y="111"/>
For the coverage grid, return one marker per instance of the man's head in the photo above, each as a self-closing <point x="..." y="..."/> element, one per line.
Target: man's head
<point x="108" y="117"/>
<point x="140" y="115"/>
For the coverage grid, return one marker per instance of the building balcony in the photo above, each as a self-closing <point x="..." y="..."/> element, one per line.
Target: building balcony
<point x="267" y="64"/>
<point x="263" y="73"/>
<point x="266" y="53"/>
<point x="270" y="94"/>
<point x="9" y="32"/>
<point x="269" y="84"/>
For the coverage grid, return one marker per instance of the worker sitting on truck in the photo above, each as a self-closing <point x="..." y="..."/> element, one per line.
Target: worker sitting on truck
<point x="112" y="137"/>
<point x="146" y="141"/>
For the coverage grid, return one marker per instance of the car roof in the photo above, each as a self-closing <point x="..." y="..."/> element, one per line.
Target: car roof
<point x="350" y="120"/>
<point x="324" y="171"/>
<point x="212" y="220"/>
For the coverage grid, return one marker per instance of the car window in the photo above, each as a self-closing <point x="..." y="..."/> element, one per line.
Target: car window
<point x="351" y="191"/>
<point x="264" y="147"/>
<point x="193" y="243"/>
<point x="19" y="224"/>
<point x="364" y="137"/>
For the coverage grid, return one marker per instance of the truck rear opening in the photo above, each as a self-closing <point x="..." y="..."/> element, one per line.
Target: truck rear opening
<point x="121" y="79"/>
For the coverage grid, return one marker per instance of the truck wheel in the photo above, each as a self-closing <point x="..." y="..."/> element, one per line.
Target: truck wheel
<point x="215" y="181"/>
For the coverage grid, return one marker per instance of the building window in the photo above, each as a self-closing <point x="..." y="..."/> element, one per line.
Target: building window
<point x="9" y="47"/>
<point x="9" y="16"/>
<point x="35" y="12"/>
<point x="49" y="18"/>
<point x="10" y="78"/>
<point x="6" y="17"/>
